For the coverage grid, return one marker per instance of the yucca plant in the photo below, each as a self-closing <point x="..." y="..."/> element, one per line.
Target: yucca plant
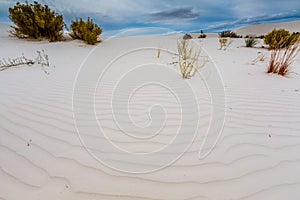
<point x="251" y="41"/>
<point x="189" y="59"/>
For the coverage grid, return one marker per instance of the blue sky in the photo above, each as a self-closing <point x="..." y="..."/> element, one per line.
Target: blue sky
<point x="179" y="15"/>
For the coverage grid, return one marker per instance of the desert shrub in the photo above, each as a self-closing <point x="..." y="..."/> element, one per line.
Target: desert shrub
<point x="282" y="58"/>
<point x="251" y="41"/>
<point x="229" y="34"/>
<point x="202" y="35"/>
<point x="224" y="43"/>
<point x="276" y="37"/>
<point x="36" y="21"/>
<point x="87" y="31"/>
<point x="187" y="36"/>
<point x="188" y="59"/>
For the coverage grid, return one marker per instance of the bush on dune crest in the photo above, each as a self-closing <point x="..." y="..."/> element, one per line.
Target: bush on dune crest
<point x="86" y="31"/>
<point x="36" y="21"/>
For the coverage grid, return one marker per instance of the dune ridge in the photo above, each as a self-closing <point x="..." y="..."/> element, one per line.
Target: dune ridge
<point x="263" y="29"/>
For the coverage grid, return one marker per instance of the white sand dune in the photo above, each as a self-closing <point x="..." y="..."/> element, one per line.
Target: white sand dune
<point x="42" y="156"/>
<point x="263" y="29"/>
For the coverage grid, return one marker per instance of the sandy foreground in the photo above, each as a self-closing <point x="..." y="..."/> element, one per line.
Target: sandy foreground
<point x="230" y="132"/>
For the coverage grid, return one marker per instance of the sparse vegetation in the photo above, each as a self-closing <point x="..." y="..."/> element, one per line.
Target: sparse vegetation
<point x="229" y="34"/>
<point x="224" y="43"/>
<point x="36" y="21"/>
<point x="87" y="31"/>
<point x="257" y="37"/>
<point x="187" y="36"/>
<point x="260" y="58"/>
<point x="189" y="59"/>
<point x="41" y="59"/>
<point x="281" y="36"/>
<point x="282" y="58"/>
<point x="202" y="35"/>
<point x="251" y="41"/>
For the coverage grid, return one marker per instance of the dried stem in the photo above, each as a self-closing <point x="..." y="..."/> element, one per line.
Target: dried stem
<point x="188" y="59"/>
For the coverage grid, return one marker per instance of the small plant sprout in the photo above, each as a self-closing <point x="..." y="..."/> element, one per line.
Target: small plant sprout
<point x="42" y="58"/>
<point x="158" y="52"/>
<point x="224" y="43"/>
<point x="260" y="58"/>
<point x="189" y="59"/>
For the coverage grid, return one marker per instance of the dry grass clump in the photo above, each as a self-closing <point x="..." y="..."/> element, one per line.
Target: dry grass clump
<point x="188" y="59"/>
<point x="260" y="58"/>
<point x="282" y="58"/>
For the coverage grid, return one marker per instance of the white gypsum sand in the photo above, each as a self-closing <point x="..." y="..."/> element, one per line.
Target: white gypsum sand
<point x="263" y="29"/>
<point x="42" y="157"/>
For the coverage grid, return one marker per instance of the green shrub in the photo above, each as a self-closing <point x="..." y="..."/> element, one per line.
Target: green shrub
<point x="187" y="36"/>
<point x="278" y="38"/>
<point x="87" y="31"/>
<point x="36" y="21"/>
<point x="251" y="41"/>
<point x="229" y="34"/>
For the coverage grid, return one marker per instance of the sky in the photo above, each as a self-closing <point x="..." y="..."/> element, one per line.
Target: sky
<point x="177" y="15"/>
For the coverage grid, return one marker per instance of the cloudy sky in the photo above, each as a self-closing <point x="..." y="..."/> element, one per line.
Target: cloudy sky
<point x="179" y="15"/>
